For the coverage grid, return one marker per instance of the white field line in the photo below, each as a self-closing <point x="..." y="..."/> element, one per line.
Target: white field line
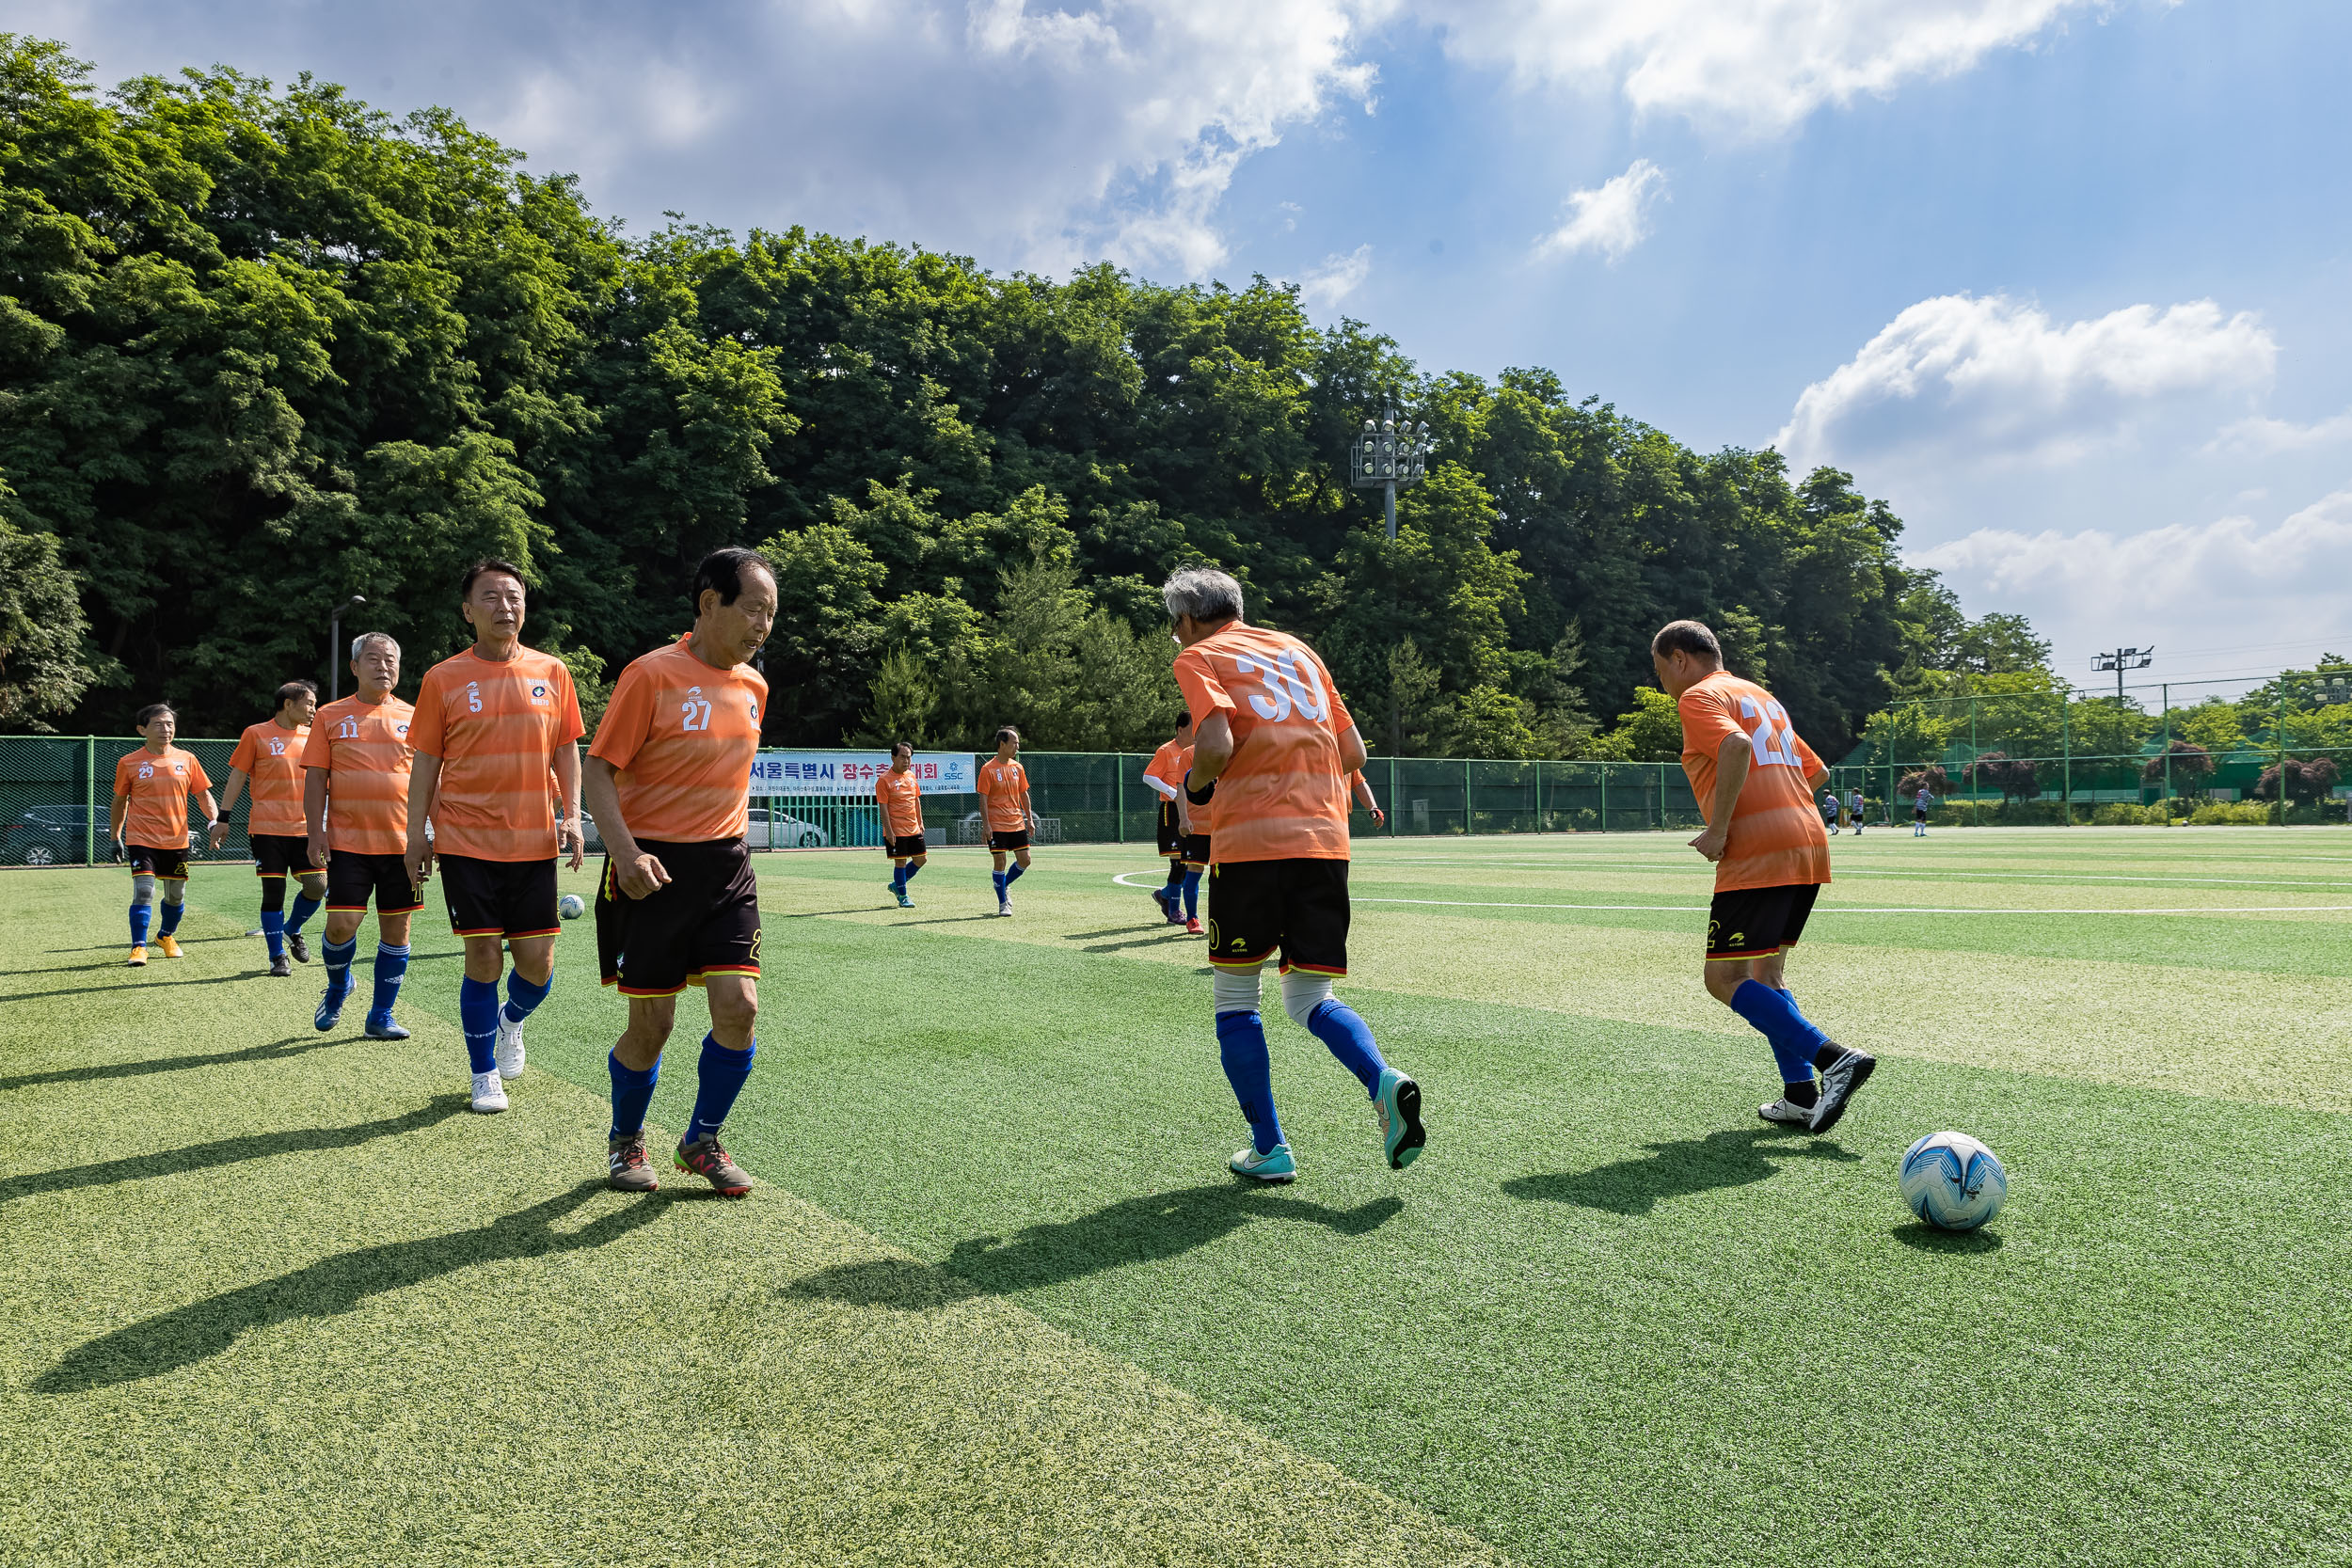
<point x="1926" y="876"/>
<point x="1121" y="878"/>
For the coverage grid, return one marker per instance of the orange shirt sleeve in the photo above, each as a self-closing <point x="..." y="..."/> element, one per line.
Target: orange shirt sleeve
<point x="1203" y="693"/>
<point x="1706" y="720"/>
<point x="197" y="778"/>
<point x="122" y="773"/>
<point x="567" y="713"/>
<point x="1806" y="759"/>
<point x="245" y="755"/>
<point x="627" y="719"/>
<point x="424" y="729"/>
<point x="318" y="752"/>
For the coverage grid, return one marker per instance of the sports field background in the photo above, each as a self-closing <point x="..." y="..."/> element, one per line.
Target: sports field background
<point x="277" y="1296"/>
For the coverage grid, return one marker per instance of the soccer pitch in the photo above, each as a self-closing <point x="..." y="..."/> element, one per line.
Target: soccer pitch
<point x="275" y="1296"/>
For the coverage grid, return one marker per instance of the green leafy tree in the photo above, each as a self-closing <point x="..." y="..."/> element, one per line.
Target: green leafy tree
<point x="1650" y="731"/>
<point x="43" y="673"/>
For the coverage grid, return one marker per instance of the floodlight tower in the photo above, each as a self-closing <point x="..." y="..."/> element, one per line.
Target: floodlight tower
<point x="1388" y="457"/>
<point x="2120" y="659"/>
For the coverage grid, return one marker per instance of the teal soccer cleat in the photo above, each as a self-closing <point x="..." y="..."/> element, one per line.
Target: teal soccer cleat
<point x="1273" y="1166"/>
<point x="904" y="902"/>
<point x="1402" y="1135"/>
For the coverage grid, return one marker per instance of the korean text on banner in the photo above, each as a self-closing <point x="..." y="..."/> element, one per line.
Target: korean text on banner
<point x="854" y="772"/>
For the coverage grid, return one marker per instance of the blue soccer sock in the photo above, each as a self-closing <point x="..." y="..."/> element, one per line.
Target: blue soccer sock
<point x="720" y="1078"/>
<point x="1795" y="1040"/>
<point x="140" y="916"/>
<point x="632" y="1091"/>
<point x="1013" y="874"/>
<point x="999" y="878"/>
<point x="274" y="932"/>
<point x="336" y="956"/>
<point x="1241" y="1046"/>
<point x="391" y="965"/>
<point x="171" y="917"/>
<point x="1175" y="876"/>
<point x="898" y="879"/>
<point x="1192" y="894"/>
<point x="522" y="997"/>
<point x="304" y="908"/>
<point x="478" y="1015"/>
<point x="1339" y="1026"/>
<point x="910" y="869"/>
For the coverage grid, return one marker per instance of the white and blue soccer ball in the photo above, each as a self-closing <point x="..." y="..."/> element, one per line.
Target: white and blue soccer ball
<point x="1952" y="1181"/>
<point x="571" y="906"/>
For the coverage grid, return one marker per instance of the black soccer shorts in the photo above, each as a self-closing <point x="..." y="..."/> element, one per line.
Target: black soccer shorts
<point x="500" y="899"/>
<point x="1196" y="848"/>
<point x="352" y="878"/>
<point x="1296" y="907"/>
<point x="1010" y="841"/>
<point x="280" y="855"/>
<point x="901" y="848"/>
<point x="1757" y="921"/>
<point x="1166" y="833"/>
<point x="167" y="865"/>
<point x="704" y="921"/>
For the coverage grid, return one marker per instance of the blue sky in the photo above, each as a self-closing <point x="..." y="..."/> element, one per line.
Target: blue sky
<point x="2063" y="280"/>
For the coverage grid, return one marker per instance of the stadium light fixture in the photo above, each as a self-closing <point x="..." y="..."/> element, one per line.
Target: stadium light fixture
<point x="334" y="646"/>
<point x="2120" y="659"/>
<point x="1386" y="456"/>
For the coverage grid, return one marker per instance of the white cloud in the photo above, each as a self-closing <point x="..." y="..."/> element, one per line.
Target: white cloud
<point x="1612" y="220"/>
<point x="2261" y="437"/>
<point x="1746" y="66"/>
<point x="1991" y="379"/>
<point x="1337" y="277"/>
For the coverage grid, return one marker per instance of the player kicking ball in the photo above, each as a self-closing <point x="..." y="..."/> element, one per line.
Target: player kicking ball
<point x="493" y="724"/>
<point x="669" y="782"/>
<point x="1005" y="806"/>
<point x="899" y="795"/>
<point x="268" y="761"/>
<point x="149" y="825"/>
<point x="355" y="808"/>
<point x="1274" y="746"/>
<point x="1754" y="778"/>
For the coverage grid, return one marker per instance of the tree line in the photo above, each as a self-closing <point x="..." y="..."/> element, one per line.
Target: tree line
<point x="262" y="349"/>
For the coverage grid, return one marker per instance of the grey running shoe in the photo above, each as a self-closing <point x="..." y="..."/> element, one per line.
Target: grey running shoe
<point x="626" y="1168"/>
<point x="705" y="1159"/>
<point x="1840" y="1080"/>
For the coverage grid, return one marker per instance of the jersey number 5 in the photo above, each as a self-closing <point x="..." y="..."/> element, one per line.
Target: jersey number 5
<point x="1773" y="741"/>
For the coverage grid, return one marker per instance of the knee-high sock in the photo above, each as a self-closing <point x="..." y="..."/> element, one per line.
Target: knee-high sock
<point x="1013" y="873"/>
<point x="1175" y="883"/>
<point x="911" y="869"/>
<point x="632" y="1091"/>
<point x="522" y="996"/>
<point x="719" y="1079"/>
<point x="1241" y="1046"/>
<point x="174" y="909"/>
<point x="274" y="932"/>
<point x="304" y="908"/>
<point x="898" y="879"/>
<point x="1796" y="1042"/>
<point x="1308" y="1000"/>
<point x="338" y="957"/>
<point x="142" y="907"/>
<point x="391" y="964"/>
<point x="478" y="1015"/>
<point x="1192" y="893"/>
<point x="999" y="878"/>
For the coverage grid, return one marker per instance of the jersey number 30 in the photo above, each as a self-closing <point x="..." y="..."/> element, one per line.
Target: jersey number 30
<point x="1773" y="741"/>
<point x="1288" y="683"/>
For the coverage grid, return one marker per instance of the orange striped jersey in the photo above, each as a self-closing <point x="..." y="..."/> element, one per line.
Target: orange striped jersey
<point x="900" y="797"/>
<point x="1776" y="838"/>
<point x="158" y="787"/>
<point x="681" y="737"/>
<point x="495" y="728"/>
<point x="1283" y="796"/>
<point x="1165" y="773"/>
<point x="363" y="746"/>
<point x="270" y="756"/>
<point x="1005" y="796"/>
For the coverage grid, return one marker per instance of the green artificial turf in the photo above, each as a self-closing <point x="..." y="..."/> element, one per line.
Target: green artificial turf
<point x="1611" y="1317"/>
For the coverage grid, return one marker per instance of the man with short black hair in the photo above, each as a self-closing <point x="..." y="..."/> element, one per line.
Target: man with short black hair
<point x="1003" y="787"/>
<point x="1273" y="745"/>
<point x="493" y="724"/>
<point x="150" y="826"/>
<point x="268" y="761"/>
<point x="899" y="795"/>
<point x="1754" y="778"/>
<point x="354" y="806"/>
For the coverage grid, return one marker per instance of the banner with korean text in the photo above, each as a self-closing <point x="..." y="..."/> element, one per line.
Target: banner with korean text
<point x="854" y="772"/>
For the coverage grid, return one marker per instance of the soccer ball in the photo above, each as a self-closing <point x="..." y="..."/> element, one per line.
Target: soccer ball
<point x="1952" y="1181"/>
<point x="573" y="906"/>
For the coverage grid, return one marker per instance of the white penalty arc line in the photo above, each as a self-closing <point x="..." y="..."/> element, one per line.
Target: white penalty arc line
<point x="1120" y="878"/>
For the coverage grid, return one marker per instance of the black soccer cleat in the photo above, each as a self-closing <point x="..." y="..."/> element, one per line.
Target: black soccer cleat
<point x="299" y="948"/>
<point x="1840" y="1080"/>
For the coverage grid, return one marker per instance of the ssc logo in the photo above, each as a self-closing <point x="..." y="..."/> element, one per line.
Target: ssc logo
<point x="400" y="729"/>
<point x="539" y="695"/>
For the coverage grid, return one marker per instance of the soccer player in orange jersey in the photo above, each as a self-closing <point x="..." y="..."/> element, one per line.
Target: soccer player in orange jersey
<point x="1274" y="745"/>
<point x="1165" y="773"/>
<point x="1005" y="805"/>
<point x="1755" y="779"/>
<point x="354" y="806"/>
<point x="493" y="724"/>
<point x="150" y="824"/>
<point x="900" y="794"/>
<point x="1362" y="794"/>
<point x="268" y="761"/>
<point x="669" y="782"/>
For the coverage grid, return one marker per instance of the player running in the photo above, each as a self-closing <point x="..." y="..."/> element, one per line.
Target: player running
<point x="493" y="723"/>
<point x="1164" y="774"/>
<point x="1752" y="776"/>
<point x="355" y="807"/>
<point x="1005" y="805"/>
<point x="900" y="794"/>
<point x="148" y="826"/>
<point x="1921" y="805"/>
<point x="669" y="782"/>
<point x="1829" y="810"/>
<point x="1853" y="809"/>
<point x="1274" y="745"/>
<point x="268" y="760"/>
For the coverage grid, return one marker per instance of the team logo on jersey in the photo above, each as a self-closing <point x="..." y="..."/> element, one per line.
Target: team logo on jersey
<point x="400" y="729"/>
<point x="538" y="695"/>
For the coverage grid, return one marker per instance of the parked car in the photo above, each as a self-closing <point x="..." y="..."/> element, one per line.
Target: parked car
<point x="773" y="830"/>
<point x="58" y="835"/>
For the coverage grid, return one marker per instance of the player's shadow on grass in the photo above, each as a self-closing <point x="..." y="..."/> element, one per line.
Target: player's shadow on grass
<point x="1134" y="1231"/>
<point x="1732" y="1158"/>
<point x="227" y="1151"/>
<point x="275" y="1051"/>
<point x="1171" y="936"/>
<point x="1927" y="1238"/>
<point x="203" y="1329"/>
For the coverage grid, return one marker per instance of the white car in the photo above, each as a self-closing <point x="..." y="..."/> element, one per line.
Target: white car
<point x="773" y="830"/>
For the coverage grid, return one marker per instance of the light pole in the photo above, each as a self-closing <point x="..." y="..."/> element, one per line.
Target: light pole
<point x="1387" y="457"/>
<point x="335" y="647"/>
<point x="2120" y="659"/>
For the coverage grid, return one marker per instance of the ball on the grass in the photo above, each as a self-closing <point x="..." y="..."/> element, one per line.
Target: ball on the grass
<point x="572" y="906"/>
<point x="1952" y="1181"/>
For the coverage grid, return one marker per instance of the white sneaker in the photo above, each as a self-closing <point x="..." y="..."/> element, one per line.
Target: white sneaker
<point x="489" y="1095"/>
<point x="510" y="1046"/>
<point x="1784" y="1113"/>
<point x="1004" y="908"/>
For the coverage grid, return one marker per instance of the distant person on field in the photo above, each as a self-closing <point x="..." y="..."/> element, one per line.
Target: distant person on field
<point x="1165" y="775"/>
<point x="1004" y="785"/>
<point x="1919" y="808"/>
<point x="148" y="826"/>
<point x="900" y="794"/>
<point x="268" y="761"/>
<point x="1752" y="776"/>
<point x="1853" y="809"/>
<point x="1273" y="745"/>
<point x="355" y="809"/>
<point x="1829" y="810"/>
<point x="1364" y="798"/>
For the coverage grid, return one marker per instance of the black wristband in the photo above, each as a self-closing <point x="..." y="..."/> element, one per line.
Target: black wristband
<point x="1198" y="796"/>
